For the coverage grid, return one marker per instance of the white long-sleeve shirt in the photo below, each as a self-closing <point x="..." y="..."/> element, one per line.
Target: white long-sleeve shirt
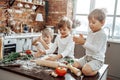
<point x="95" y="45"/>
<point x="65" y="46"/>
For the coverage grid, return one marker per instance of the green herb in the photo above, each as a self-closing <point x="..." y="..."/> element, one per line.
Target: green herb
<point x="70" y="61"/>
<point x="26" y="57"/>
<point x="10" y="57"/>
<point x="14" y="56"/>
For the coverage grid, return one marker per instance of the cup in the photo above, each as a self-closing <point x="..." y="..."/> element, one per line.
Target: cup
<point x="30" y="1"/>
<point x="34" y="7"/>
<point x="27" y="6"/>
<point x="20" y="5"/>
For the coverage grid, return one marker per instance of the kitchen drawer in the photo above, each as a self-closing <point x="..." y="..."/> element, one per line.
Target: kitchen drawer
<point x="10" y="41"/>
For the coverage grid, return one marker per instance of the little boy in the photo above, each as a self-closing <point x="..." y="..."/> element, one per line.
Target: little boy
<point x="95" y="44"/>
<point x="44" y="41"/>
<point x="64" y="41"/>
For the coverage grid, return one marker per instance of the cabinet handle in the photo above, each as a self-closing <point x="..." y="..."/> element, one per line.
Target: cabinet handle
<point x="108" y="45"/>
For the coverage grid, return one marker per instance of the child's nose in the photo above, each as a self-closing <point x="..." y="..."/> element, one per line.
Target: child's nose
<point x="90" y="23"/>
<point x="61" y="31"/>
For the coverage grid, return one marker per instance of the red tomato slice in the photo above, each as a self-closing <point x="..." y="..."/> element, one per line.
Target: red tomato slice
<point x="28" y="52"/>
<point x="61" y="71"/>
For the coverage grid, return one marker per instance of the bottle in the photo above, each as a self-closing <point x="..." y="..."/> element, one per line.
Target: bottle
<point x="21" y="28"/>
<point x="31" y="30"/>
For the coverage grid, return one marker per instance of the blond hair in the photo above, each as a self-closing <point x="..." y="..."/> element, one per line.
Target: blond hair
<point x="98" y="14"/>
<point x="47" y="31"/>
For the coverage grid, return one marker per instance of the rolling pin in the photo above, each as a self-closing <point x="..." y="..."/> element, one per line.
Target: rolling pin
<point x="52" y="64"/>
<point x="76" y="71"/>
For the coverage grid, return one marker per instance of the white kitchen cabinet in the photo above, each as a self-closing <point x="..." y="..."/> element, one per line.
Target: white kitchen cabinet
<point x="23" y="40"/>
<point x="23" y="44"/>
<point x="112" y="59"/>
<point x="9" y="41"/>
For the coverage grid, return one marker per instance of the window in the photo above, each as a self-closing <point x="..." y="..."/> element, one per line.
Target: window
<point x="109" y="6"/>
<point x="117" y="20"/>
<point x="83" y="7"/>
<point x="81" y="14"/>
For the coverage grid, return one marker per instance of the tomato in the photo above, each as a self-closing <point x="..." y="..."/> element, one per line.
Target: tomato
<point x="61" y="71"/>
<point x="28" y="52"/>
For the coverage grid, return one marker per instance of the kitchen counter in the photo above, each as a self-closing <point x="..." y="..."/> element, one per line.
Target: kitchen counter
<point x="31" y="35"/>
<point x="19" y="41"/>
<point x="22" y="35"/>
<point x="44" y="74"/>
<point x="114" y="40"/>
<point x="33" y="75"/>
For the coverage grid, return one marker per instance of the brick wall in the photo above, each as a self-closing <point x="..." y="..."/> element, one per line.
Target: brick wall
<point x="14" y="16"/>
<point x="18" y="16"/>
<point x="57" y="9"/>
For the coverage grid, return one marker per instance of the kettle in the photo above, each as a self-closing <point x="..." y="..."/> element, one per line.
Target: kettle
<point x="25" y="28"/>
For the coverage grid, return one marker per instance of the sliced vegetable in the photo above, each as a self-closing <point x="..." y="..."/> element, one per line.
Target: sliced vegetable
<point x="28" y="51"/>
<point x="61" y="71"/>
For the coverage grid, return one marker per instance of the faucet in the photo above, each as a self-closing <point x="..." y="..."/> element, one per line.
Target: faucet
<point x="108" y="31"/>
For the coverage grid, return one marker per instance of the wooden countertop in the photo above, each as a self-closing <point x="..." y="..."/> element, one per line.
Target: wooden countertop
<point x="44" y="75"/>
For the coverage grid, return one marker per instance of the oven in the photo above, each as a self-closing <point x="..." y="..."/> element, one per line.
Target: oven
<point x="9" y="46"/>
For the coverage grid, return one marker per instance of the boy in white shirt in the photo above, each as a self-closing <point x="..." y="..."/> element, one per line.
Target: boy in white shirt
<point x="95" y="44"/>
<point x="64" y="41"/>
<point x="43" y="41"/>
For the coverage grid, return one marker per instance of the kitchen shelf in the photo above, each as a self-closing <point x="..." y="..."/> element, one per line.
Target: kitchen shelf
<point x="29" y="3"/>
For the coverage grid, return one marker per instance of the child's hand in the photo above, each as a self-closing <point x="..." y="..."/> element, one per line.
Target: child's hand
<point x="32" y="60"/>
<point x="76" y="64"/>
<point x="37" y="54"/>
<point x="40" y="50"/>
<point x="40" y="38"/>
<point x="52" y="58"/>
<point x="79" y="39"/>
